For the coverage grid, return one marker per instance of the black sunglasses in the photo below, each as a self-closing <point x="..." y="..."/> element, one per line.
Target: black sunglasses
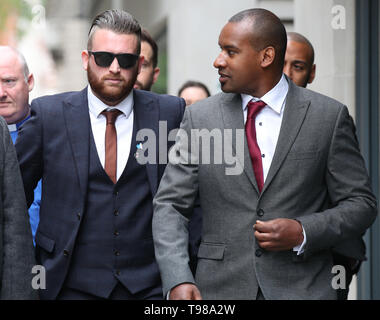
<point x="105" y="59"/>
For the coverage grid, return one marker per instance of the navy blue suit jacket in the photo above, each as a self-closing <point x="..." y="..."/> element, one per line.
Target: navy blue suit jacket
<point x="53" y="145"/>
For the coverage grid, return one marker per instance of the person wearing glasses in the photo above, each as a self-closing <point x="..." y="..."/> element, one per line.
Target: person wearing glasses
<point x="95" y="235"/>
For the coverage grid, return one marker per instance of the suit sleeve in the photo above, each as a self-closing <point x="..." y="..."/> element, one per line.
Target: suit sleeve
<point x="18" y="250"/>
<point x="354" y="207"/>
<point x="29" y="152"/>
<point x="173" y="206"/>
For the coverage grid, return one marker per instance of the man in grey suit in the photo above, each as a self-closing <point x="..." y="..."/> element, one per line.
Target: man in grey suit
<point x="16" y="246"/>
<point x="267" y="231"/>
<point x="299" y="66"/>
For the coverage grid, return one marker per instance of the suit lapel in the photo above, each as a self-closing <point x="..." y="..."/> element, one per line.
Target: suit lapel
<point x="294" y="115"/>
<point x="233" y="118"/>
<point x="147" y="117"/>
<point x="77" y="119"/>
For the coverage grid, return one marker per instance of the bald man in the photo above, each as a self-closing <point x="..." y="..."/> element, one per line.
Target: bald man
<point x="303" y="187"/>
<point x="299" y="66"/>
<point x="17" y="83"/>
<point x="299" y="63"/>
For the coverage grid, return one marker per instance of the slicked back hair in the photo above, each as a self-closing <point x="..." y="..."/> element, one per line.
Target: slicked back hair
<point x="146" y="37"/>
<point x="267" y="30"/>
<point x="118" y="21"/>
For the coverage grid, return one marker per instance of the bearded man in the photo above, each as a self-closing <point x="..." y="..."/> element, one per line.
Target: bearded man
<point x="95" y="237"/>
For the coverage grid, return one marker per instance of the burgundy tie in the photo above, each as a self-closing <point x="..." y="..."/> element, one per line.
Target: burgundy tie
<point x="111" y="144"/>
<point x="250" y="130"/>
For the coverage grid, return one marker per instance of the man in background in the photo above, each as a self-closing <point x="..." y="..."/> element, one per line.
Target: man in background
<point x="193" y="91"/>
<point x="300" y="67"/>
<point x="299" y="63"/>
<point x="149" y="70"/>
<point x="17" y="82"/>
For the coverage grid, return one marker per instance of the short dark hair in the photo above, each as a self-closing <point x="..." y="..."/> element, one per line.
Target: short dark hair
<point x="196" y="84"/>
<point x="118" y="21"/>
<point x="267" y="30"/>
<point x="146" y="37"/>
<point x="297" y="37"/>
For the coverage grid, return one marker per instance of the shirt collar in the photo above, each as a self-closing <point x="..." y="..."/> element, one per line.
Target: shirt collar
<point x="97" y="106"/>
<point x="14" y="127"/>
<point x="274" y="98"/>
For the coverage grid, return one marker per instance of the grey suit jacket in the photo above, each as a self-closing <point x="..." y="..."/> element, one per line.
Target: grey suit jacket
<point x="16" y="245"/>
<point x="317" y="176"/>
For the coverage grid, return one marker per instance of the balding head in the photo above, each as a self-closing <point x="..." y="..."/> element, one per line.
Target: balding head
<point x="6" y="50"/>
<point x="299" y="60"/>
<point x="297" y="37"/>
<point x="267" y="30"/>
<point x="15" y="85"/>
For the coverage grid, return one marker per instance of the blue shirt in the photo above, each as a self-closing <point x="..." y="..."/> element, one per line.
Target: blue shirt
<point x="34" y="210"/>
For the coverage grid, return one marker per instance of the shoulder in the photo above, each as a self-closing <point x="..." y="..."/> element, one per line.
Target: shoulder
<point x="166" y="105"/>
<point x="54" y="99"/>
<point x="161" y="99"/>
<point x="318" y="100"/>
<point x="211" y="106"/>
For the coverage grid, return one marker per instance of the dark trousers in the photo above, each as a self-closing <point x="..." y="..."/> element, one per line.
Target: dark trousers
<point x="119" y="293"/>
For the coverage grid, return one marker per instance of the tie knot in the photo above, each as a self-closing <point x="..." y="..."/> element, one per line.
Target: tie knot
<point x="254" y="108"/>
<point x="111" y="115"/>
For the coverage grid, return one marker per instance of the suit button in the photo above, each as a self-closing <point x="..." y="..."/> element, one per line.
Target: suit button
<point x="78" y="215"/>
<point x="116" y="213"/>
<point x="117" y="272"/>
<point x="117" y="253"/>
<point x="65" y="253"/>
<point x="260" y="212"/>
<point x="116" y="233"/>
<point x="258" y="253"/>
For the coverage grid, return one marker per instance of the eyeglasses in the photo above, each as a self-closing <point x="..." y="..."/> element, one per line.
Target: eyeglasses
<point x="105" y="59"/>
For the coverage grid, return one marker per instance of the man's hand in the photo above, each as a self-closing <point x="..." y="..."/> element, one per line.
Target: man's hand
<point x="185" y="291"/>
<point x="278" y="234"/>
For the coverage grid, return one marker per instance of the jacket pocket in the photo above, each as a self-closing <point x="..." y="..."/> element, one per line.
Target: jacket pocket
<point x="211" y="251"/>
<point x="44" y="242"/>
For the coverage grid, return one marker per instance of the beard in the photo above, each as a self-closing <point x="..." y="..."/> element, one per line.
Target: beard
<point x="111" y="93"/>
<point x="147" y="86"/>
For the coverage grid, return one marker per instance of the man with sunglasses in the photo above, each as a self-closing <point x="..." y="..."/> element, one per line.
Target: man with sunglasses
<point x="94" y="238"/>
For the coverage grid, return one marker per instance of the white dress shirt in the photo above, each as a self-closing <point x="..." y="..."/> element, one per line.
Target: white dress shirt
<point x="123" y="124"/>
<point x="268" y="124"/>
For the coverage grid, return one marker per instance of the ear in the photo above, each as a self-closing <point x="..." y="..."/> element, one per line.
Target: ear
<point x="312" y="74"/>
<point x="156" y="73"/>
<point x="30" y="82"/>
<point x="268" y="55"/>
<point x="85" y="59"/>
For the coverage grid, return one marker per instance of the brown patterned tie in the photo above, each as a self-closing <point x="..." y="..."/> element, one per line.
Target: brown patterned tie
<point x="111" y="143"/>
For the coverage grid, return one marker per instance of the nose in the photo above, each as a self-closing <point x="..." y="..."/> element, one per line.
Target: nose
<point x="114" y="67"/>
<point x="219" y="62"/>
